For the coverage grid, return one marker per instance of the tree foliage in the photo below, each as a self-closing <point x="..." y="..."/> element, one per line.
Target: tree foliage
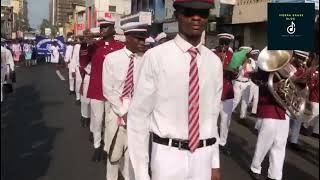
<point x="46" y="24"/>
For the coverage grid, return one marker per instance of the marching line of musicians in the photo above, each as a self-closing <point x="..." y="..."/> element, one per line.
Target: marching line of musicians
<point x="135" y="97"/>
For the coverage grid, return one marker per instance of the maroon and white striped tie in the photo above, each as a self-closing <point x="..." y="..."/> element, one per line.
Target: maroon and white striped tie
<point x="128" y="85"/>
<point x="193" y="101"/>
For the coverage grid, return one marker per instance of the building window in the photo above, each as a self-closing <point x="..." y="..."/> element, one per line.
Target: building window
<point x="112" y="8"/>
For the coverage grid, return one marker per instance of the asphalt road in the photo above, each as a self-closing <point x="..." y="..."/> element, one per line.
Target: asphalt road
<point x="41" y="137"/>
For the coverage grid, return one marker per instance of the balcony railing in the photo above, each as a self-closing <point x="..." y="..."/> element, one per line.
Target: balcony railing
<point x="248" y="2"/>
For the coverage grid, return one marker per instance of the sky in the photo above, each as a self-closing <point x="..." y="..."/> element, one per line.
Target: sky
<point x="38" y="10"/>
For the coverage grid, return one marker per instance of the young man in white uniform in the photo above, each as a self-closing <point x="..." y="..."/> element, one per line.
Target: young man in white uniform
<point x="70" y="65"/>
<point x="76" y="71"/>
<point x="241" y="86"/>
<point x="120" y="74"/>
<point x="177" y="98"/>
<point x="254" y="89"/>
<point x="85" y="101"/>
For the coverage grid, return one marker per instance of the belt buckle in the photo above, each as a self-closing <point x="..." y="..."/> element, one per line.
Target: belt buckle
<point x="179" y="145"/>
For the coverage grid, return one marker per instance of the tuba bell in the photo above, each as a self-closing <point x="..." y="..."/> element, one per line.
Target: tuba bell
<point x="288" y="94"/>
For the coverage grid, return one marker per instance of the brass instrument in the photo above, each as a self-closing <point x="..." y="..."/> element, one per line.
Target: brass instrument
<point x="287" y="93"/>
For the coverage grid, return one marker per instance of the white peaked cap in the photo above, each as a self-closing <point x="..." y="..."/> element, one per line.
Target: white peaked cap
<point x="103" y="21"/>
<point x="134" y="27"/>
<point x="245" y="48"/>
<point x="225" y="36"/>
<point x="69" y="40"/>
<point x="255" y="51"/>
<point x="150" y="40"/>
<point x="161" y="36"/>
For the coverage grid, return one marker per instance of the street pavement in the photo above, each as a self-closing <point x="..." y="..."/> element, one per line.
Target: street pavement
<point x="41" y="137"/>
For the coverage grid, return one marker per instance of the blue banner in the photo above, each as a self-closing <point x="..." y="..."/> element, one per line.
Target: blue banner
<point x="44" y="45"/>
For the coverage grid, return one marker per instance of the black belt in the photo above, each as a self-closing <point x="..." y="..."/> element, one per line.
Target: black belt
<point x="181" y="144"/>
<point x="242" y="81"/>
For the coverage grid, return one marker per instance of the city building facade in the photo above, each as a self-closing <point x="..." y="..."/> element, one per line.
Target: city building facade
<point x="112" y="10"/>
<point x="6" y="21"/>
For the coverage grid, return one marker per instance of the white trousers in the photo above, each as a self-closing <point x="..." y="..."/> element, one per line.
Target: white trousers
<point x="254" y="97"/>
<point x="71" y="81"/>
<point x="99" y="109"/>
<point x="241" y="93"/>
<point x="314" y="119"/>
<point x="225" y="120"/>
<point x="85" y="102"/>
<point x="124" y="164"/>
<point x="170" y="163"/>
<point x="272" y="138"/>
<point x="78" y="83"/>
<point x="258" y="123"/>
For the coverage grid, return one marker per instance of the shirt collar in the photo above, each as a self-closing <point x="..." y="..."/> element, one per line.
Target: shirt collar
<point x="127" y="51"/>
<point x="184" y="45"/>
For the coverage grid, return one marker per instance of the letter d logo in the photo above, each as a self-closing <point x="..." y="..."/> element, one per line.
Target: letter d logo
<point x="291" y="28"/>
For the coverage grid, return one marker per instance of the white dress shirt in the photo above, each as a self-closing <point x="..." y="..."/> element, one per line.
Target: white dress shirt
<point x="115" y="69"/>
<point x="242" y="76"/>
<point x="160" y="101"/>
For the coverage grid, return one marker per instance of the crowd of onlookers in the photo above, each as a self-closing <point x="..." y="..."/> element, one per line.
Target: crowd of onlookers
<point x="23" y="51"/>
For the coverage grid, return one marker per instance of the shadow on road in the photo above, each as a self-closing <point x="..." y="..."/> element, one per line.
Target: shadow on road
<point x="26" y="141"/>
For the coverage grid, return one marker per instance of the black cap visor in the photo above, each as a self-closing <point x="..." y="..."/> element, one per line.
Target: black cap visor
<point x="193" y="5"/>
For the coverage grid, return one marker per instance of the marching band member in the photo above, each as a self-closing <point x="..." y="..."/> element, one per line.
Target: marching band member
<point x="76" y="71"/>
<point x="84" y="69"/>
<point x="299" y="73"/>
<point x="178" y="100"/>
<point x="241" y="85"/>
<point x="85" y="101"/>
<point x="120" y="74"/>
<point x="99" y="104"/>
<point x="254" y="89"/>
<point x="313" y="84"/>
<point x="273" y="132"/>
<point x="69" y="62"/>
<point x="225" y="52"/>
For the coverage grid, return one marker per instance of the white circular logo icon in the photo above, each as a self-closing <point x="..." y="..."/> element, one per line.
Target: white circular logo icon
<point x="291" y="28"/>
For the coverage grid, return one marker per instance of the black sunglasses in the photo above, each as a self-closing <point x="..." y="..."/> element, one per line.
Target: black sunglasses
<point x="188" y="12"/>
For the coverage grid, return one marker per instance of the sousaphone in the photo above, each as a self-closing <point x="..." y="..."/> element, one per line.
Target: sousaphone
<point x="287" y="93"/>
